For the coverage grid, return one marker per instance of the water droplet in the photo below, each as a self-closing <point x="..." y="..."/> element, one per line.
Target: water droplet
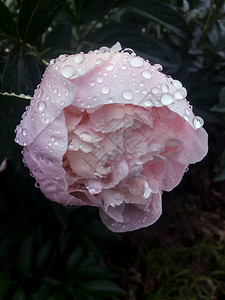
<point x="197" y="122"/>
<point x="148" y="103"/>
<point x="177" y="84"/>
<point x="116" y="196"/>
<point x="128" y="95"/>
<point x="24" y="131"/>
<point x="52" y="61"/>
<point x="40" y="93"/>
<point x="146" y="74"/>
<point x="67" y="93"/>
<point x="166" y="99"/>
<point x="155" y="91"/>
<point x="178" y="95"/>
<point x="79" y="58"/>
<point x="158" y="67"/>
<point x="110" y="100"/>
<point x="55" y="90"/>
<point x="85" y="136"/>
<point x="105" y="90"/>
<point x="68" y="71"/>
<point x="92" y="190"/>
<point x="136" y="62"/>
<point x="92" y="83"/>
<point x="62" y="59"/>
<point x="165" y="88"/>
<point x="41" y="105"/>
<point x="98" y="61"/>
<point x="100" y="79"/>
<point x="123" y="67"/>
<point x="183" y="91"/>
<point x="47" y="120"/>
<point x="110" y="68"/>
<point x="144" y="92"/>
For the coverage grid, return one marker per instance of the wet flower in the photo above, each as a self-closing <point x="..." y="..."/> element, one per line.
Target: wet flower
<point x="108" y="129"/>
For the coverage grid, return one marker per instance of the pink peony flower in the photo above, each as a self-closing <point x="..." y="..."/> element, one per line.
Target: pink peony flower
<point x="108" y="129"/>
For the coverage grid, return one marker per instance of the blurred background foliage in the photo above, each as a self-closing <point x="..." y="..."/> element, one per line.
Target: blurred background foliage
<point x="51" y="252"/>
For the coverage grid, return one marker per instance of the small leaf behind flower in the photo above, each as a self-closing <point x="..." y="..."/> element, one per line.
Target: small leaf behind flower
<point x="36" y="16"/>
<point x="21" y="72"/>
<point x="7" y="24"/>
<point x="161" y="13"/>
<point x="11" y="108"/>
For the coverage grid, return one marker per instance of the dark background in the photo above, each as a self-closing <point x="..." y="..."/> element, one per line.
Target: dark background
<point x="51" y="252"/>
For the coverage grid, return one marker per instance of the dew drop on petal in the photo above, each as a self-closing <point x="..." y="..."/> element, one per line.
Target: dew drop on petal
<point x="105" y="90"/>
<point x="116" y="196"/>
<point x="178" y="95"/>
<point x="85" y="136"/>
<point x="41" y="105"/>
<point x="136" y="62"/>
<point x="47" y="120"/>
<point x="166" y="99"/>
<point x="197" y="122"/>
<point x="100" y="79"/>
<point x="110" y="100"/>
<point x="92" y="83"/>
<point x="158" y="67"/>
<point x="52" y="61"/>
<point x="79" y="58"/>
<point x="177" y="84"/>
<point x="128" y="95"/>
<point x="155" y="91"/>
<point x="147" y="103"/>
<point x="68" y="71"/>
<point x="40" y="93"/>
<point x="165" y="88"/>
<point x="98" y="61"/>
<point x="146" y="74"/>
<point x="62" y="59"/>
<point x="110" y="68"/>
<point x="24" y="132"/>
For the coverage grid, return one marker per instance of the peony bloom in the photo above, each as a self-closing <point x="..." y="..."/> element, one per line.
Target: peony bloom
<point x="110" y="130"/>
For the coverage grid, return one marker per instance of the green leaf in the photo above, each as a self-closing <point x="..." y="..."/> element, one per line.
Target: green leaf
<point x="160" y="13"/>
<point x="8" y="242"/>
<point x="19" y="294"/>
<point x="43" y="254"/>
<point x="74" y="258"/>
<point x="21" y="72"/>
<point x="95" y="271"/>
<point x="103" y="287"/>
<point x="36" y="16"/>
<point x="5" y="283"/>
<point x="221" y="173"/>
<point x="44" y="291"/>
<point x="52" y="280"/>
<point x="11" y="108"/>
<point x="58" y="296"/>
<point x="220" y="107"/>
<point x="7" y="24"/>
<point x="25" y="257"/>
<point x="87" y="11"/>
